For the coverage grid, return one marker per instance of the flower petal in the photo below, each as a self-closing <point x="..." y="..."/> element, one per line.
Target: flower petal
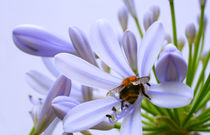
<point x="39" y="82"/>
<point x="85" y="73"/>
<point x="37" y="41"/>
<point x="50" y="65"/>
<point x="131" y="124"/>
<point x="106" y="46"/>
<point x="150" y="47"/>
<point x="51" y="127"/>
<point x="62" y="86"/>
<point x="170" y="94"/>
<point x="88" y="114"/>
<point x="62" y="104"/>
<point x="130" y="47"/>
<point x="81" y="45"/>
<point x="171" y="65"/>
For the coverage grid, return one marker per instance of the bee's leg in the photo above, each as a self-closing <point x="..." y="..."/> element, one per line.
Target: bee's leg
<point x="144" y="93"/>
<point x="122" y="104"/>
<point x="148" y="84"/>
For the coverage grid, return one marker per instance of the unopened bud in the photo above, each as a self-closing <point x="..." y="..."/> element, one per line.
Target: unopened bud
<point x="156" y="12"/>
<point x="203" y="57"/>
<point x="123" y="18"/>
<point x="148" y="20"/>
<point x="131" y="7"/>
<point x="202" y="3"/>
<point x="181" y="43"/>
<point x="190" y="33"/>
<point x="168" y="38"/>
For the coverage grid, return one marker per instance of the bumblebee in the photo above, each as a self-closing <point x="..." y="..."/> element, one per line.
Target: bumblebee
<point x="130" y="89"/>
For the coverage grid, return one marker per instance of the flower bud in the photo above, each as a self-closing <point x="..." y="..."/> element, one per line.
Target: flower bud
<point x="203" y="57"/>
<point x="81" y="45"/>
<point x="35" y="40"/>
<point x="129" y="44"/>
<point x="202" y="3"/>
<point x="171" y="65"/>
<point x="168" y="38"/>
<point x="62" y="86"/>
<point x="156" y="12"/>
<point x="148" y="20"/>
<point x="62" y="104"/>
<point x="123" y="17"/>
<point x="181" y="43"/>
<point x="190" y="33"/>
<point x="131" y="7"/>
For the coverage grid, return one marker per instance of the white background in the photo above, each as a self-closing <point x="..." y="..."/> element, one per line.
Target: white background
<point x="57" y="16"/>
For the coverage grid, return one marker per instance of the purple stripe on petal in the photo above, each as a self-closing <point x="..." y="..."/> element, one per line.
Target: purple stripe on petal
<point x="105" y="45"/>
<point x="130" y="47"/>
<point x="62" y="104"/>
<point x="170" y="94"/>
<point x="62" y="86"/>
<point x="85" y="73"/>
<point x="131" y="124"/>
<point x="88" y="114"/>
<point x="39" y="82"/>
<point x="171" y="65"/>
<point x="81" y="45"/>
<point x="37" y="41"/>
<point x="150" y="47"/>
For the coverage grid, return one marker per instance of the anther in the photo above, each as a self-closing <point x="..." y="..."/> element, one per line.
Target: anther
<point x="108" y="116"/>
<point x="114" y="109"/>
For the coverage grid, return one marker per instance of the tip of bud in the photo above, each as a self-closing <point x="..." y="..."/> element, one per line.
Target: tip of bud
<point x="202" y="3"/>
<point x="148" y="20"/>
<point x="156" y="11"/>
<point x="190" y="33"/>
<point x="181" y="43"/>
<point x="123" y="17"/>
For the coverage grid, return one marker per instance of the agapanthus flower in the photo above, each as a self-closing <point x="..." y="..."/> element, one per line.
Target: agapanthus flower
<point x="169" y="93"/>
<point x="38" y="41"/>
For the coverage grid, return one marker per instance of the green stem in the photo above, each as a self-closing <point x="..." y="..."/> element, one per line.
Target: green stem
<point x="197" y="42"/>
<point x="171" y="2"/>
<point x="176" y="114"/>
<point x="198" y="99"/>
<point x="32" y="131"/>
<point x="138" y="26"/>
<point x="205" y="64"/>
<point x="153" y="69"/>
<point x="189" y="64"/>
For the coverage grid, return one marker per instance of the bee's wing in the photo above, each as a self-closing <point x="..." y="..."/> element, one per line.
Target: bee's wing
<point x="142" y="80"/>
<point x="115" y="90"/>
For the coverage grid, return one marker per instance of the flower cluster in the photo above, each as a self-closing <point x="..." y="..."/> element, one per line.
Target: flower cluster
<point x="143" y="84"/>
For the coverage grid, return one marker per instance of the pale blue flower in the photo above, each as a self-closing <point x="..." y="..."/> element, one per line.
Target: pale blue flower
<point x="104" y="43"/>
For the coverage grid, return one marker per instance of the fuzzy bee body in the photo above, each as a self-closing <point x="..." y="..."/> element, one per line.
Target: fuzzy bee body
<point x="130" y="89"/>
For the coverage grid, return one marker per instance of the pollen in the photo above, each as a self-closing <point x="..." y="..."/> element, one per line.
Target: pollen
<point x="127" y="81"/>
